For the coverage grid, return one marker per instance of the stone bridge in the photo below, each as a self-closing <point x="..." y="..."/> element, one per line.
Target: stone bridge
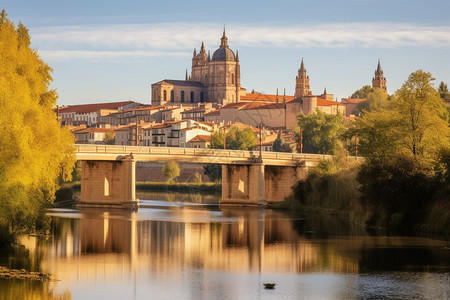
<point x="108" y="172"/>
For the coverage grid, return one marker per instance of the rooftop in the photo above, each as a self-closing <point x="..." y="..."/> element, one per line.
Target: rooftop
<point x="86" y="108"/>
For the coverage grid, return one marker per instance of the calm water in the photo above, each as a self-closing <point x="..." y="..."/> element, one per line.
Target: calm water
<point x="186" y="247"/>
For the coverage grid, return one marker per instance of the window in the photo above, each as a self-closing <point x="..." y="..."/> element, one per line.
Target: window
<point x="192" y="97"/>
<point x="181" y="134"/>
<point x="165" y="95"/>
<point x="201" y="97"/>
<point x="182" y="96"/>
<point x="232" y="78"/>
<point x="172" y="96"/>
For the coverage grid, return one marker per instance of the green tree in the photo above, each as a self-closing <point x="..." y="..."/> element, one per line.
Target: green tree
<point x="34" y="149"/>
<point x="213" y="171"/>
<point x="109" y="139"/>
<point x="403" y="144"/>
<point x="362" y="92"/>
<point x="443" y="91"/>
<point x="376" y="99"/>
<point x="322" y="132"/>
<point x="421" y="113"/>
<point x="280" y="145"/>
<point x="171" y="170"/>
<point x="235" y="138"/>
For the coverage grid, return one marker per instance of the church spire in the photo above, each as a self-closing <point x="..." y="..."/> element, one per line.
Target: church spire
<point x="284" y="97"/>
<point x="277" y="95"/>
<point x="379" y="67"/>
<point x="302" y="67"/>
<point x="379" y="81"/>
<point x="195" y="52"/>
<point x="202" y="49"/>
<point x="237" y="55"/>
<point x="224" y="39"/>
<point x="325" y="91"/>
<point x="186" y="77"/>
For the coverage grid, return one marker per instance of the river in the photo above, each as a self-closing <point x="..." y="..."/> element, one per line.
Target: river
<point x="183" y="246"/>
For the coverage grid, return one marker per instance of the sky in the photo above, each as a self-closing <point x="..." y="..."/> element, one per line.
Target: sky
<point x="107" y="51"/>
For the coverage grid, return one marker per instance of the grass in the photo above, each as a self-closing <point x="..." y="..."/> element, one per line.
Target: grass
<point x="181" y="187"/>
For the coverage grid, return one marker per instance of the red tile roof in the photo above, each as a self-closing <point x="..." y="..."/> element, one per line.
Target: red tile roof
<point x="213" y="113"/>
<point x="266" y="98"/>
<point x="201" y="138"/>
<point x="324" y="102"/>
<point x="86" y="108"/>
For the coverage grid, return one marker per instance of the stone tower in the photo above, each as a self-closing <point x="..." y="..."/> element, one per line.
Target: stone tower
<point x="379" y="81"/>
<point x="302" y="82"/>
<point x="200" y="66"/>
<point x="224" y="83"/>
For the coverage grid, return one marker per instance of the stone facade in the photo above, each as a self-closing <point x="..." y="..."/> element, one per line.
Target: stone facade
<point x="216" y="80"/>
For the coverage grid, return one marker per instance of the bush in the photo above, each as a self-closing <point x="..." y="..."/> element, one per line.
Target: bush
<point x="63" y="194"/>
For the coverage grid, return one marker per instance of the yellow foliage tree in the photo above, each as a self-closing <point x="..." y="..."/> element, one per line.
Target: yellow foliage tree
<point x="34" y="150"/>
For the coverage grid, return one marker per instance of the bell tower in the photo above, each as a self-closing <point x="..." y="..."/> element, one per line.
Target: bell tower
<point x="302" y="82"/>
<point x="379" y="81"/>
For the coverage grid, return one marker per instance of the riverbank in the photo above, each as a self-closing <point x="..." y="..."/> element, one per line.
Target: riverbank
<point x="6" y="273"/>
<point x="336" y="188"/>
<point x="182" y="187"/>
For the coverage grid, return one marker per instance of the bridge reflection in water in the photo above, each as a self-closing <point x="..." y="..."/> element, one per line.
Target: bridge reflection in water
<point x="229" y="240"/>
<point x="159" y="252"/>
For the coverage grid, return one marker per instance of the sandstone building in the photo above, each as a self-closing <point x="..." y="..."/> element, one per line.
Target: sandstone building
<point x="216" y="80"/>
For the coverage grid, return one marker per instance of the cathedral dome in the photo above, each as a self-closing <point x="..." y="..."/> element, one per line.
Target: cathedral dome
<point x="223" y="54"/>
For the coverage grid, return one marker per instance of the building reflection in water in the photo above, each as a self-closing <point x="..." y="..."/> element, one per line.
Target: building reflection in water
<point x="240" y="240"/>
<point x="197" y="249"/>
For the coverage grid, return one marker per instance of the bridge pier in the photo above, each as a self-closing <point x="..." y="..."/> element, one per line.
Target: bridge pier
<point x="257" y="184"/>
<point x="243" y="185"/>
<point x="108" y="183"/>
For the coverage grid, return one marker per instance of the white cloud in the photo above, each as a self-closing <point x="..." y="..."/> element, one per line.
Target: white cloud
<point x="164" y="39"/>
<point x="58" y="55"/>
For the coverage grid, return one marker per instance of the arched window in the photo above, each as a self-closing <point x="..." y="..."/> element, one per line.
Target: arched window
<point x="201" y="97"/>
<point x="232" y="78"/>
<point x="165" y="95"/>
<point x="172" y="96"/>
<point x="182" y="96"/>
<point x="192" y="96"/>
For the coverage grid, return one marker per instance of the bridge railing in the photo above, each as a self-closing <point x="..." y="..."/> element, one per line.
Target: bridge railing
<point x="127" y="150"/>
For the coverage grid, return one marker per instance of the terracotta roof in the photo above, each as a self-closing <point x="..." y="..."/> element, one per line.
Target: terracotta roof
<point x="86" y="108"/>
<point x="263" y="106"/>
<point x="201" y="138"/>
<point x="353" y="101"/>
<point x="213" y="113"/>
<point x="265" y="97"/>
<point x="140" y="108"/>
<point x="233" y="105"/>
<point x="324" y="102"/>
<point x="253" y="105"/>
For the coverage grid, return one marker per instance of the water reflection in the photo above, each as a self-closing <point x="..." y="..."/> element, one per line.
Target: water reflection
<point x="192" y="252"/>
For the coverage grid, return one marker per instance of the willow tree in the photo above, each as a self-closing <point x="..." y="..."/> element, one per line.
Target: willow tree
<point x="34" y="150"/>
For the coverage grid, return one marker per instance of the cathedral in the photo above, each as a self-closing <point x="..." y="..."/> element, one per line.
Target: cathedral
<point x="215" y="80"/>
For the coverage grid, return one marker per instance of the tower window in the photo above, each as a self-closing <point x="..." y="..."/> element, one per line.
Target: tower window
<point x="192" y="96"/>
<point x="182" y="96"/>
<point x="172" y="96"/>
<point x="201" y="97"/>
<point x="165" y="95"/>
<point x="232" y="78"/>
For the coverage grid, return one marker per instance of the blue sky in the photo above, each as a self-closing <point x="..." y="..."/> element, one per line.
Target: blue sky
<point x="104" y="51"/>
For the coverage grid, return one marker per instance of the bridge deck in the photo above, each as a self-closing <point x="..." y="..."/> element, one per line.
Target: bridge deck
<point x="199" y="155"/>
